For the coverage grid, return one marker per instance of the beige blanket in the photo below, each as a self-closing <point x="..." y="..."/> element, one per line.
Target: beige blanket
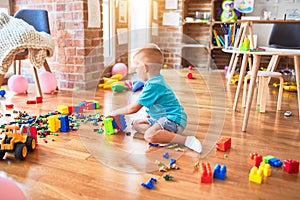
<point x="16" y="36"/>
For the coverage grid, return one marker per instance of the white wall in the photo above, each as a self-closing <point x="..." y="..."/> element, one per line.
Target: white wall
<point x="277" y="8"/>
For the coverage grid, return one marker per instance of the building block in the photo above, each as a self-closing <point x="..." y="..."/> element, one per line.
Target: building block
<point x="223" y="144"/>
<point x="256" y="175"/>
<point x="31" y="102"/>
<point x="254" y="159"/>
<point x="39" y="99"/>
<point x="291" y="166"/>
<point x="205" y="173"/>
<point x="120" y="122"/>
<point x="108" y="125"/>
<point x="166" y="155"/>
<point x="266" y="168"/>
<point x="97" y="104"/>
<point x="53" y="123"/>
<point x="150" y="184"/>
<point x="275" y="162"/>
<point x="63" y="109"/>
<point x="70" y="109"/>
<point x="220" y="172"/>
<point x="78" y="109"/>
<point x="64" y="123"/>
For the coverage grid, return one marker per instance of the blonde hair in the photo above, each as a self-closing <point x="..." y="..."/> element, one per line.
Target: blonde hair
<point x="152" y="53"/>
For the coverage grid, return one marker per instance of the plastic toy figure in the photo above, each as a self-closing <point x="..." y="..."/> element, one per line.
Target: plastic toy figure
<point x="229" y="14"/>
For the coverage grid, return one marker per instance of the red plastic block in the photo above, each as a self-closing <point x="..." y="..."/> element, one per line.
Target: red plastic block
<point x="254" y="159"/>
<point x="224" y="144"/>
<point x="205" y="172"/>
<point x="70" y="109"/>
<point x="9" y="106"/>
<point x="39" y="99"/>
<point x="291" y="166"/>
<point x="31" y="101"/>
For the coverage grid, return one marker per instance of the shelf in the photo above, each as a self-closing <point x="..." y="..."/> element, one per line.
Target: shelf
<point x="220" y="22"/>
<point x="194" y="45"/>
<point x="196" y="22"/>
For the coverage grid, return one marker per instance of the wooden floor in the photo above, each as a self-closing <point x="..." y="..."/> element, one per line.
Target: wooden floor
<point x="86" y="165"/>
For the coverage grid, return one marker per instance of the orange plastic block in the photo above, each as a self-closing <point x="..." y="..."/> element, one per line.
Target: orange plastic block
<point x="256" y="175"/>
<point x="254" y="159"/>
<point x="223" y="144"/>
<point x="205" y="172"/>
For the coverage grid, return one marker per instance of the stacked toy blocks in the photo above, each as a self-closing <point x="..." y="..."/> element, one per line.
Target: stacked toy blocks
<point x="205" y="173"/>
<point x="274" y="162"/>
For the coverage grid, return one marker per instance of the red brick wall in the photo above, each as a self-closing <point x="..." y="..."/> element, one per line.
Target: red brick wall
<point x="78" y="57"/>
<point x="170" y="37"/>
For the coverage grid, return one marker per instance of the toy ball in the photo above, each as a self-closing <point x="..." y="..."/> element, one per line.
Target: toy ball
<point x="119" y="68"/>
<point x="18" y="84"/>
<point x="190" y="67"/>
<point x="48" y="82"/>
<point x="189" y="75"/>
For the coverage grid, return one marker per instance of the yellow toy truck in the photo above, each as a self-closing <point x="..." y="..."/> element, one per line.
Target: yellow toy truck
<point x="12" y="139"/>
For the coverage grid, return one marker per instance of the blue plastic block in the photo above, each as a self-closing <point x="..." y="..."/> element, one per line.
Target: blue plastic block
<point x="275" y="162"/>
<point x="150" y="184"/>
<point x="64" y="123"/>
<point x="166" y="155"/>
<point x="138" y="85"/>
<point x="172" y="161"/>
<point x="220" y="172"/>
<point x="121" y="122"/>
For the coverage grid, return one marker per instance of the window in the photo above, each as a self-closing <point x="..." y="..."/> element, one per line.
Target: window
<point x="108" y="32"/>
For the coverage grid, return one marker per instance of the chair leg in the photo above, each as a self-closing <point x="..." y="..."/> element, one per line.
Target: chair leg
<point x="264" y="93"/>
<point x="37" y="82"/>
<point x="240" y="82"/>
<point x="280" y="94"/>
<point x="245" y="91"/>
<point x="1" y="79"/>
<point x="46" y="66"/>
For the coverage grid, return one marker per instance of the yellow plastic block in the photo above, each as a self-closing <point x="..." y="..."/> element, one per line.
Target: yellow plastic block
<point x="53" y="123"/>
<point x="266" y="168"/>
<point x="63" y="109"/>
<point x="256" y="175"/>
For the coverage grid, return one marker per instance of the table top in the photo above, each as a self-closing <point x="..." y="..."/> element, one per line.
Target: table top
<point x="271" y="21"/>
<point x="268" y="51"/>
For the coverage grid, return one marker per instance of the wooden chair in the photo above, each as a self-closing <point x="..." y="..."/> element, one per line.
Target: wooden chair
<point x="39" y="20"/>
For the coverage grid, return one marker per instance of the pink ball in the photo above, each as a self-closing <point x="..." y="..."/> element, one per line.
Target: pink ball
<point x="48" y="82"/>
<point x="119" y="68"/>
<point x="18" y="84"/>
<point x="189" y="75"/>
<point x="10" y="190"/>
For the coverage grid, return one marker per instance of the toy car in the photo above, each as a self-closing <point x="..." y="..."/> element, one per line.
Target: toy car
<point x="12" y="139"/>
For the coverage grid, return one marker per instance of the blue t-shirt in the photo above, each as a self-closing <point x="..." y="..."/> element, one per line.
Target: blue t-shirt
<point x="160" y="101"/>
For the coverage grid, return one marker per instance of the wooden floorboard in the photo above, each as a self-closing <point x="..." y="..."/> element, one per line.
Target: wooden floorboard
<point x="86" y="165"/>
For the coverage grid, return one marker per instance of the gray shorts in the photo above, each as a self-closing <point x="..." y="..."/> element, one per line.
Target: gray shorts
<point x="167" y="124"/>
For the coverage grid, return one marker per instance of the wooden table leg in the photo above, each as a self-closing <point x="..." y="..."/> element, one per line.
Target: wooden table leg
<point x="241" y="79"/>
<point x="297" y="71"/>
<point x="254" y="72"/>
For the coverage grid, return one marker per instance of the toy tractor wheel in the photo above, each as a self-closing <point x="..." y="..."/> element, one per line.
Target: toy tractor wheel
<point x="31" y="143"/>
<point x="2" y="153"/>
<point x="21" y="152"/>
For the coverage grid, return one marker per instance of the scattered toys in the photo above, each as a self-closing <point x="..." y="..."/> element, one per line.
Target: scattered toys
<point x="189" y="75"/>
<point x="256" y="175"/>
<point x="291" y="166"/>
<point x="287" y="114"/>
<point x="150" y="184"/>
<point x="166" y="155"/>
<point x="168" y="177"/>
<point x="254" y="159"/>
<point x="2" y="93"/>
<point x="223" y="144"/>
<point x="205" y="173"/>
<point x="274" y="162"/>
<point x="220" y="172"/>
